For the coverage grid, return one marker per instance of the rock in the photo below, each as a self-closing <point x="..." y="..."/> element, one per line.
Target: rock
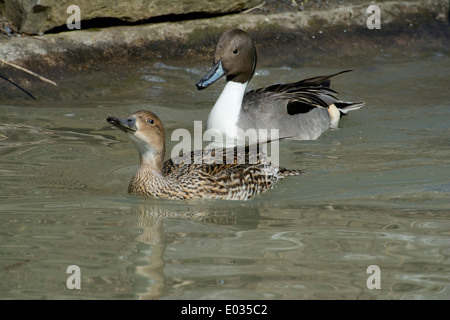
<point x="39" y="16"/>
<point x="199" y="36"/>
<point x="76" y="60"/>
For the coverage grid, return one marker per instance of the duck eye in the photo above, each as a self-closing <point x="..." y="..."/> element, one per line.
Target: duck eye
<point x="235" y="51"/>
<point x="151" y="121"/>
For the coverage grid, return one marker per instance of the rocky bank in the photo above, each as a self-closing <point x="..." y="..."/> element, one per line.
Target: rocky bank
<point x="115" y="34"/>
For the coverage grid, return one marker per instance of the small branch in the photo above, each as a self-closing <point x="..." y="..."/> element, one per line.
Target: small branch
<point x="28" y="71"/>
<point x="19" y="87"/>
<point x="254" y="8"/>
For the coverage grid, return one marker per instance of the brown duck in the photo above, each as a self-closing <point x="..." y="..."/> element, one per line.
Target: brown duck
<point x="192" y="179"/>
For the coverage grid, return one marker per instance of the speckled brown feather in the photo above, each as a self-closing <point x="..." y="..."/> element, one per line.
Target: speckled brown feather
<point x="234" y="182"/>
<point x="231" y="181"/>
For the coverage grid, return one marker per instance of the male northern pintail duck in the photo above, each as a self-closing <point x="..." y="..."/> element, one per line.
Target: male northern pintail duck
<point x="190" y="178"/>
<point x="302" y="110"/>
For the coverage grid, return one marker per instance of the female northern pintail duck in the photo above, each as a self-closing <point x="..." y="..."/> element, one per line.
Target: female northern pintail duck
<point x="190" y="179"/>
<point x="302" y="110"/>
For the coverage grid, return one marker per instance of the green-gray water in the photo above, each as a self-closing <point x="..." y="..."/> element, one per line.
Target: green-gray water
<point x="375" y="192"/>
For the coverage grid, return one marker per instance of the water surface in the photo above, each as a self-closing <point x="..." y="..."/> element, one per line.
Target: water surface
<point x="375" y="192"/>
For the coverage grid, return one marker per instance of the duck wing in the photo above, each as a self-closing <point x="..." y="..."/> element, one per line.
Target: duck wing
<point x="226" y="160"/>
<point x="216" y="160"/>
<point x="301" y="96"/>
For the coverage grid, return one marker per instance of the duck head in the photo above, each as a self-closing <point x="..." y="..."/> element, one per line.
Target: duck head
<point x="235" y="57"/>
<point x="146" y="130"/>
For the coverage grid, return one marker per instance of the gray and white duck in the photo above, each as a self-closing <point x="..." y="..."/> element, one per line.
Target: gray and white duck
<point x="302" y="110"/>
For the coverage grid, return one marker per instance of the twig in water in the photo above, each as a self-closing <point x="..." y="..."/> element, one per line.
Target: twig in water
<point x="19" y="87"/>
<point x="254" y="8"/>
<point x="28" y="71"/>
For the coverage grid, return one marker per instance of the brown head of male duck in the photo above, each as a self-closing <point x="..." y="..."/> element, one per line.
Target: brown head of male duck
<point x="172" y="179"/>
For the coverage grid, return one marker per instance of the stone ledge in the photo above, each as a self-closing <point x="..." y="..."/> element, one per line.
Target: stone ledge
<point x="39" y="16"/>
<point x="204" y="32"/>
<point x="406" y="27"/>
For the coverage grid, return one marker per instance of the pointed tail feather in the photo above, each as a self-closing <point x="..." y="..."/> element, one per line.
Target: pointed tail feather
<point x="289" y="172"/>
<point x="346" y="107"/>
<point x="321" y="80"/>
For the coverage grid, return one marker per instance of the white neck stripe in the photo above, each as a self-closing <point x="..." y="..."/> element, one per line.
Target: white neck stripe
<point x="225" y="113"/>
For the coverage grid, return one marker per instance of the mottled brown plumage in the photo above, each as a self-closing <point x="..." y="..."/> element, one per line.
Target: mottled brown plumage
<point x="195" y="175"/>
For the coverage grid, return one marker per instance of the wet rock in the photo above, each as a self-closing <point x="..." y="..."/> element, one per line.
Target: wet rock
<point x="39" y="16"/>
<point x="7" y="29"/>
<point x="283" y="36"/>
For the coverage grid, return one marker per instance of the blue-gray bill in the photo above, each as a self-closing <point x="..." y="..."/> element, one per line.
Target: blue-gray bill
<point x="214" y="74"/>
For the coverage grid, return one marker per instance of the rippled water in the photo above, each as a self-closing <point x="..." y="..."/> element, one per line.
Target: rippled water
<point x="375" y="192"/>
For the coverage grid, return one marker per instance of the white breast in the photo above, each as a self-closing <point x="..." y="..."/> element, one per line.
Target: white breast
<point x="225" y="113"/>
